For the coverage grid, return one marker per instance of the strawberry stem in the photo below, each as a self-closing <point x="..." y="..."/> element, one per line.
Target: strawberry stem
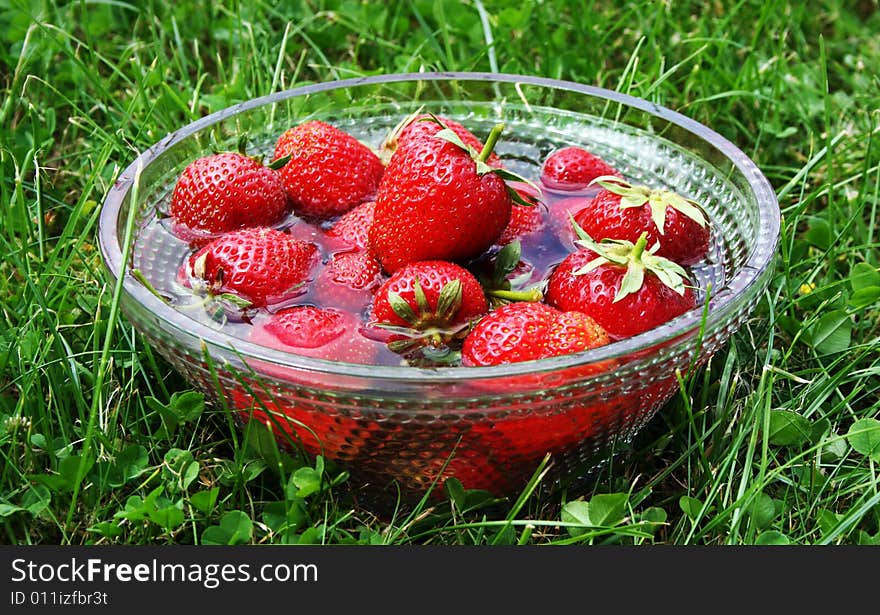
<point x="639" y="248"/>
<point x="491" y="140"/>
<point x="532" y="295"/>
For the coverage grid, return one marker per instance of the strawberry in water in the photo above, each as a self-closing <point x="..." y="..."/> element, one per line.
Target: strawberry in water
<point x="622" y="286"/>
<point x="348" y="280"/>
<point x="353" y="228"/>
<point x="438" y="200"/>
<point x="573" y="168"/>
<point x="260" y="266"/>
<point x="524" y="219"/>
<point x="225" y="192"/>
<point x="528" y="331"/>
<point x="329" y="171"/>
<point x="323" y="333"/>
<point x="428" y="303"/>
<point x="622" y="210"/>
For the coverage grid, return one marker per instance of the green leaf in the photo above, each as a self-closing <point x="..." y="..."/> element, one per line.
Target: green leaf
<point x="69" y="466"/>
<point x="831" y="333"/>
<point x="632" y="281"/>
<point x="130" y="463"/>
<point x="36" y="499"/>
<point x="506" y="261"/>
<point x="828" y="521"/>
<point x="788" y="428"/>
<point x="449" y="300"/>
<point x="188" y="405"/>
<point x="9" y="509"/>
<point x="306" y="481"/>
<point x="108" y="529"/>
<point x="608" y="509"/>
<point x="819" y="233"/>
<point x="865" y="296"/>
<point x="690" y="506"/>
<point x="864" y="437"/>
<point x="762" y="511"/>
<point x="772" y="537"/>
<point x="577" y="513"/>
<point x="455" y="491"/>
<point x="863" y="275"/>
<point x="235" y="528"/>
<point x="401" y="307"/>
<point x="447" y="134"/>
<point x="204" y="501"/>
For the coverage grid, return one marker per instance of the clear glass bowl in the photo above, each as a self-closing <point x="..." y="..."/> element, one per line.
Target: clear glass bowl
<point x="399" y="429"/>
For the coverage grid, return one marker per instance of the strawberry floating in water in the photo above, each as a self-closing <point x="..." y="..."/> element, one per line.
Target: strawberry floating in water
<point x="438" y="200"/>
<point x="622" y="286"/>
<point x="260" y="266"/>
<point x="528" y="331"/>
<point x="225" y="192"/>
<point x="573" y="168"/>
<point x="622" y="210"/>
<point x="328" y="171"/>
<point x="315" y="332"/>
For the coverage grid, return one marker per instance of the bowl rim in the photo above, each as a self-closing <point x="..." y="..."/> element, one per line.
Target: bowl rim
<point x="721" y="302"/>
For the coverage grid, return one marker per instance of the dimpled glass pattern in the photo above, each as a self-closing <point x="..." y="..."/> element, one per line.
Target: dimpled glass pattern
<point x="397" y="430"/>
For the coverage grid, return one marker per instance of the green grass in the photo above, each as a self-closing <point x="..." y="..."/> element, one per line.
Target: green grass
<point x="777" y="440"/>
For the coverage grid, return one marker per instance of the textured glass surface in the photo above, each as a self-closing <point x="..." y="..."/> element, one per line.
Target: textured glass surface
<point x="489" y="427"/>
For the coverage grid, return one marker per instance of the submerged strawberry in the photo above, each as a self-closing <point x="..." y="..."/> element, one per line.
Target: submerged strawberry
<point x="347" y="280"/>
<point x="314" y="332"/>
<point x="329" y="171"/>
<point x="624" y="211"/>
<point x="260" y="266"/>
<point x="225" y="192"/>
<point x="524" y="219"/>
<point x="573" y="168"/>
<point x="438" y="201"/>
<point x="528" y="331"/>
<point x="353" y="228"/>
<point x="428" y="303"/>
<point x="623" y="287"/>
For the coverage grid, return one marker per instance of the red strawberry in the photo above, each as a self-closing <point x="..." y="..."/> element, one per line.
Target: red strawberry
<point x="260" y="265"/>
<point x="353" y="228"/>
<point x="429" y="294"/>
<point x="528" y="331"/>
<point x="225" y="192"/>
<point x="573" y="168"/>
<point x="321" y="333"/>
<point x="623" y="211"/>
<point x="424" y="125"/>
<point x="623" y="287"/>
<point x="347" y="280"/>
<point x="436" y="202"/>
<point x="524" y="219"/>
<point x="329" y="171"/>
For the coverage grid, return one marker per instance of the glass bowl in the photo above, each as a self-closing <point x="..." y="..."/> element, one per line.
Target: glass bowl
<point x="401" y="431"/>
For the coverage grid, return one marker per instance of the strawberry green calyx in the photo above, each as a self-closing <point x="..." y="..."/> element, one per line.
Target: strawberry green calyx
<point x="658" y="200"/>
<point x="635" y="258"/>
<point x="491" y="140"/>
<point x="447" y="305"/>
<point x="279" y="162"/>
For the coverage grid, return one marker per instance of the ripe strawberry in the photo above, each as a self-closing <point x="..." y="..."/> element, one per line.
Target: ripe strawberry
<point x="347" y="280"/>
<point x="314" y="332"/>
<point x="429" y="294"/>
<point x="623" y="287"/>
<point x="259" y="265"/>
<point x="528" y="331"/>
<point x="437" y="202"/>
<point x="329" y="171"/>
<point x="624" y="211"/>
<point x="422" y="125"/>
<point x="573" y="168"/>
<point x="353" y="228"/>
<point x="225" y="192"/>
<point x="524" y="219"/>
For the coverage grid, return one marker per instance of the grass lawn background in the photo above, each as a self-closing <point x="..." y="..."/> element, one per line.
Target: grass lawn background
<point x="776" y="441"/>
